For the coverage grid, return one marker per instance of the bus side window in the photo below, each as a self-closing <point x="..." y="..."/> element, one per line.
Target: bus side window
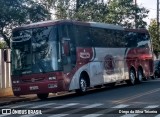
<point x="83" y="37"/>
<point x="131" y="39"/>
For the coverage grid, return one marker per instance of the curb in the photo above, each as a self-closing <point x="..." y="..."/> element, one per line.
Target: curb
<point x="17" y="100"/>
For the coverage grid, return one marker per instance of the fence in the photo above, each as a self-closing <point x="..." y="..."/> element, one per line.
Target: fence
<point x="5" y="74"/>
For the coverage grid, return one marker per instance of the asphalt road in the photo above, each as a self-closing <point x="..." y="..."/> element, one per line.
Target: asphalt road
<point x="141" y="100"/>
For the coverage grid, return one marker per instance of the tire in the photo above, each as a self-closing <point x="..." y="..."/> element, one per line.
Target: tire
<point x="140" y="76"/>
<point x="153" y="77"/>
<point x="112" y="84"/>
<point x="82" y="86"/>
<point x="132" y="77"/>
<point x="43" y="96"/>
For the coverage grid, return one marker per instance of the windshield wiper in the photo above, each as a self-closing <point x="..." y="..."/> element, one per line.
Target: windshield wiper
<point x="41" y="67"/>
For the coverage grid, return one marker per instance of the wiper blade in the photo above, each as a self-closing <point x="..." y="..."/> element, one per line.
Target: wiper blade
<point x="41" y="67"/>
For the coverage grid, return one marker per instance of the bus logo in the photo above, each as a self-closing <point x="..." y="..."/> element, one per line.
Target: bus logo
<point x="109" y="64"/>
<point x="85" y="55"/>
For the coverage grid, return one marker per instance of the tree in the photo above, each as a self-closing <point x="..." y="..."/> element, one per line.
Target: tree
<point x="62" y="9"/>
<point x="121" y="12"/>
<point x="17" y="12"/>
<point x="154" y="36"/>
<point x="92" y="11"/>
<point x="124" y="12"/>
<point x="82" y="10"/>
<point x="3" y="45"/>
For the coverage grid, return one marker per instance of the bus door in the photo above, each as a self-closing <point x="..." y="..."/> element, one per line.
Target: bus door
<point x="66" y="57"/>
<point x="68" y="48"/>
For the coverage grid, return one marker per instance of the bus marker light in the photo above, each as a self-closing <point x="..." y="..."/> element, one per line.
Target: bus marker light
<point x="52" y="78"/>
<point x="15" y="81"/>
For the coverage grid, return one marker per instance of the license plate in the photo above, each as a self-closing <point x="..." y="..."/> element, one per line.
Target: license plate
<point x="33" y="88"/>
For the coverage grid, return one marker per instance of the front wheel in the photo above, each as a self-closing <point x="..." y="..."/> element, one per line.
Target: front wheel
<point x="43" y="96"/>
<point x="82" y="86"/>
<point x="132" y="77"/>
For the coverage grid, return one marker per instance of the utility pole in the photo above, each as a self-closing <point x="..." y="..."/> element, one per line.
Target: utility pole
<point x="157" y="19"/>
<point x="136" y="26"/>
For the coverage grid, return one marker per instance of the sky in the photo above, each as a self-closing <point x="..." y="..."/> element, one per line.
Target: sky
<point x="151" y="5"/>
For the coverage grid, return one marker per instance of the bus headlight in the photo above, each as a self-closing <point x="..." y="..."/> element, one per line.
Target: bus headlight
<point x="15" y="81"/>
<point x="16" y="89"/>
<point x="52" y="78"/>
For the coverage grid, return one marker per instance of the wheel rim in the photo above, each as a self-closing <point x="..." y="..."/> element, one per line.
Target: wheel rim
<point x="132" y="77"/>
<point x="83" y="85"/>
<point x="140" y="76"/>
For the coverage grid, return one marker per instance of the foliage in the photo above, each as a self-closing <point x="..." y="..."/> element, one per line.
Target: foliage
<point x="18" y="12"/>
<point x="124" y="12"/>
<point x="154" y="35"/>
<point x="121" y="12"/>
<point x="3" y="45"/>
<point x="62" y="8"/>
<point x="92" y="11"/>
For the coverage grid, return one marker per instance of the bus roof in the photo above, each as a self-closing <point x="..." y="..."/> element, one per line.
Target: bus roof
<point x="53" y="22"/>
<point x="91" y="24"/>
<point x="137" y="30"/>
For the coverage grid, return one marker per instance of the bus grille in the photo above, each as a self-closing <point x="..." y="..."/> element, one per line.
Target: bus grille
<point x="33" y="80"/>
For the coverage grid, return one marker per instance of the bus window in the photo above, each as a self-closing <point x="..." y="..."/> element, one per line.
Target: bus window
<point x="83" y="38"/>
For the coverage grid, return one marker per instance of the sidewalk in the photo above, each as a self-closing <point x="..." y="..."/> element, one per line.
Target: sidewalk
<point x="13" y="99"/>
<point x="7" y="97"/>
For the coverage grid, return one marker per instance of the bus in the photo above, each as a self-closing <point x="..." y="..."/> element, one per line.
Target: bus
<point x="65" y="55"/>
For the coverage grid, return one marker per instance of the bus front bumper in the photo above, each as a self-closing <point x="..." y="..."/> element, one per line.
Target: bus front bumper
<point x="38" y="88"/>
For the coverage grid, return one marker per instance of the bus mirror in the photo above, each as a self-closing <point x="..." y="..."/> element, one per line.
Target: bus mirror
<point x="66" y="48"/>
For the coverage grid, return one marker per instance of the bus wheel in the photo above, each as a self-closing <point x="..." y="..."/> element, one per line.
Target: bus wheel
<point x="82" y="86"/>
<point x="132" y="77"/>
<point x="154" y="76"/>
<point x="112" y="84"/>
<point x="43" y="96"/>
<point x="140" y="76"/>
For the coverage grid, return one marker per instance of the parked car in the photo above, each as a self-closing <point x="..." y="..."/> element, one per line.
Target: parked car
<point x="157" y="69"/>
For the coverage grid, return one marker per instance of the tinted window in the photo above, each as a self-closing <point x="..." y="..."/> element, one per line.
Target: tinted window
<point x="134" y="39"/>
<point x="67" y="31"/>
<point x="102" y="37"/>
<point x="131" y="39"/>
<point x="83" y="37"/>
<point x="107" y="38"/>
<point x="119" y="39"/>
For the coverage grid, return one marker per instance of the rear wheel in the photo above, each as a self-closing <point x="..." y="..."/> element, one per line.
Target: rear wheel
<point x="132" y="77"/>
<point x="82" y="86"/>
<point x="43" y="96"/>
<point x="155" y="75"/>
<point x="140" y="76"/>
<point x="112" y="84"/>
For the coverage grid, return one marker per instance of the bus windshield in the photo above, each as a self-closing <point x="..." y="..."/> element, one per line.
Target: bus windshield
<point x="35" y="51"/>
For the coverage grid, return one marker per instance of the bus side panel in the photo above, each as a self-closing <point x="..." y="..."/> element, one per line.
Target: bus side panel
<point x="113" y="64"/>
<point x="106" y="66"/>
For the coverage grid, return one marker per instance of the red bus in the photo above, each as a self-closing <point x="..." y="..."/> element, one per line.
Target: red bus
<point x="63" y="55"/>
